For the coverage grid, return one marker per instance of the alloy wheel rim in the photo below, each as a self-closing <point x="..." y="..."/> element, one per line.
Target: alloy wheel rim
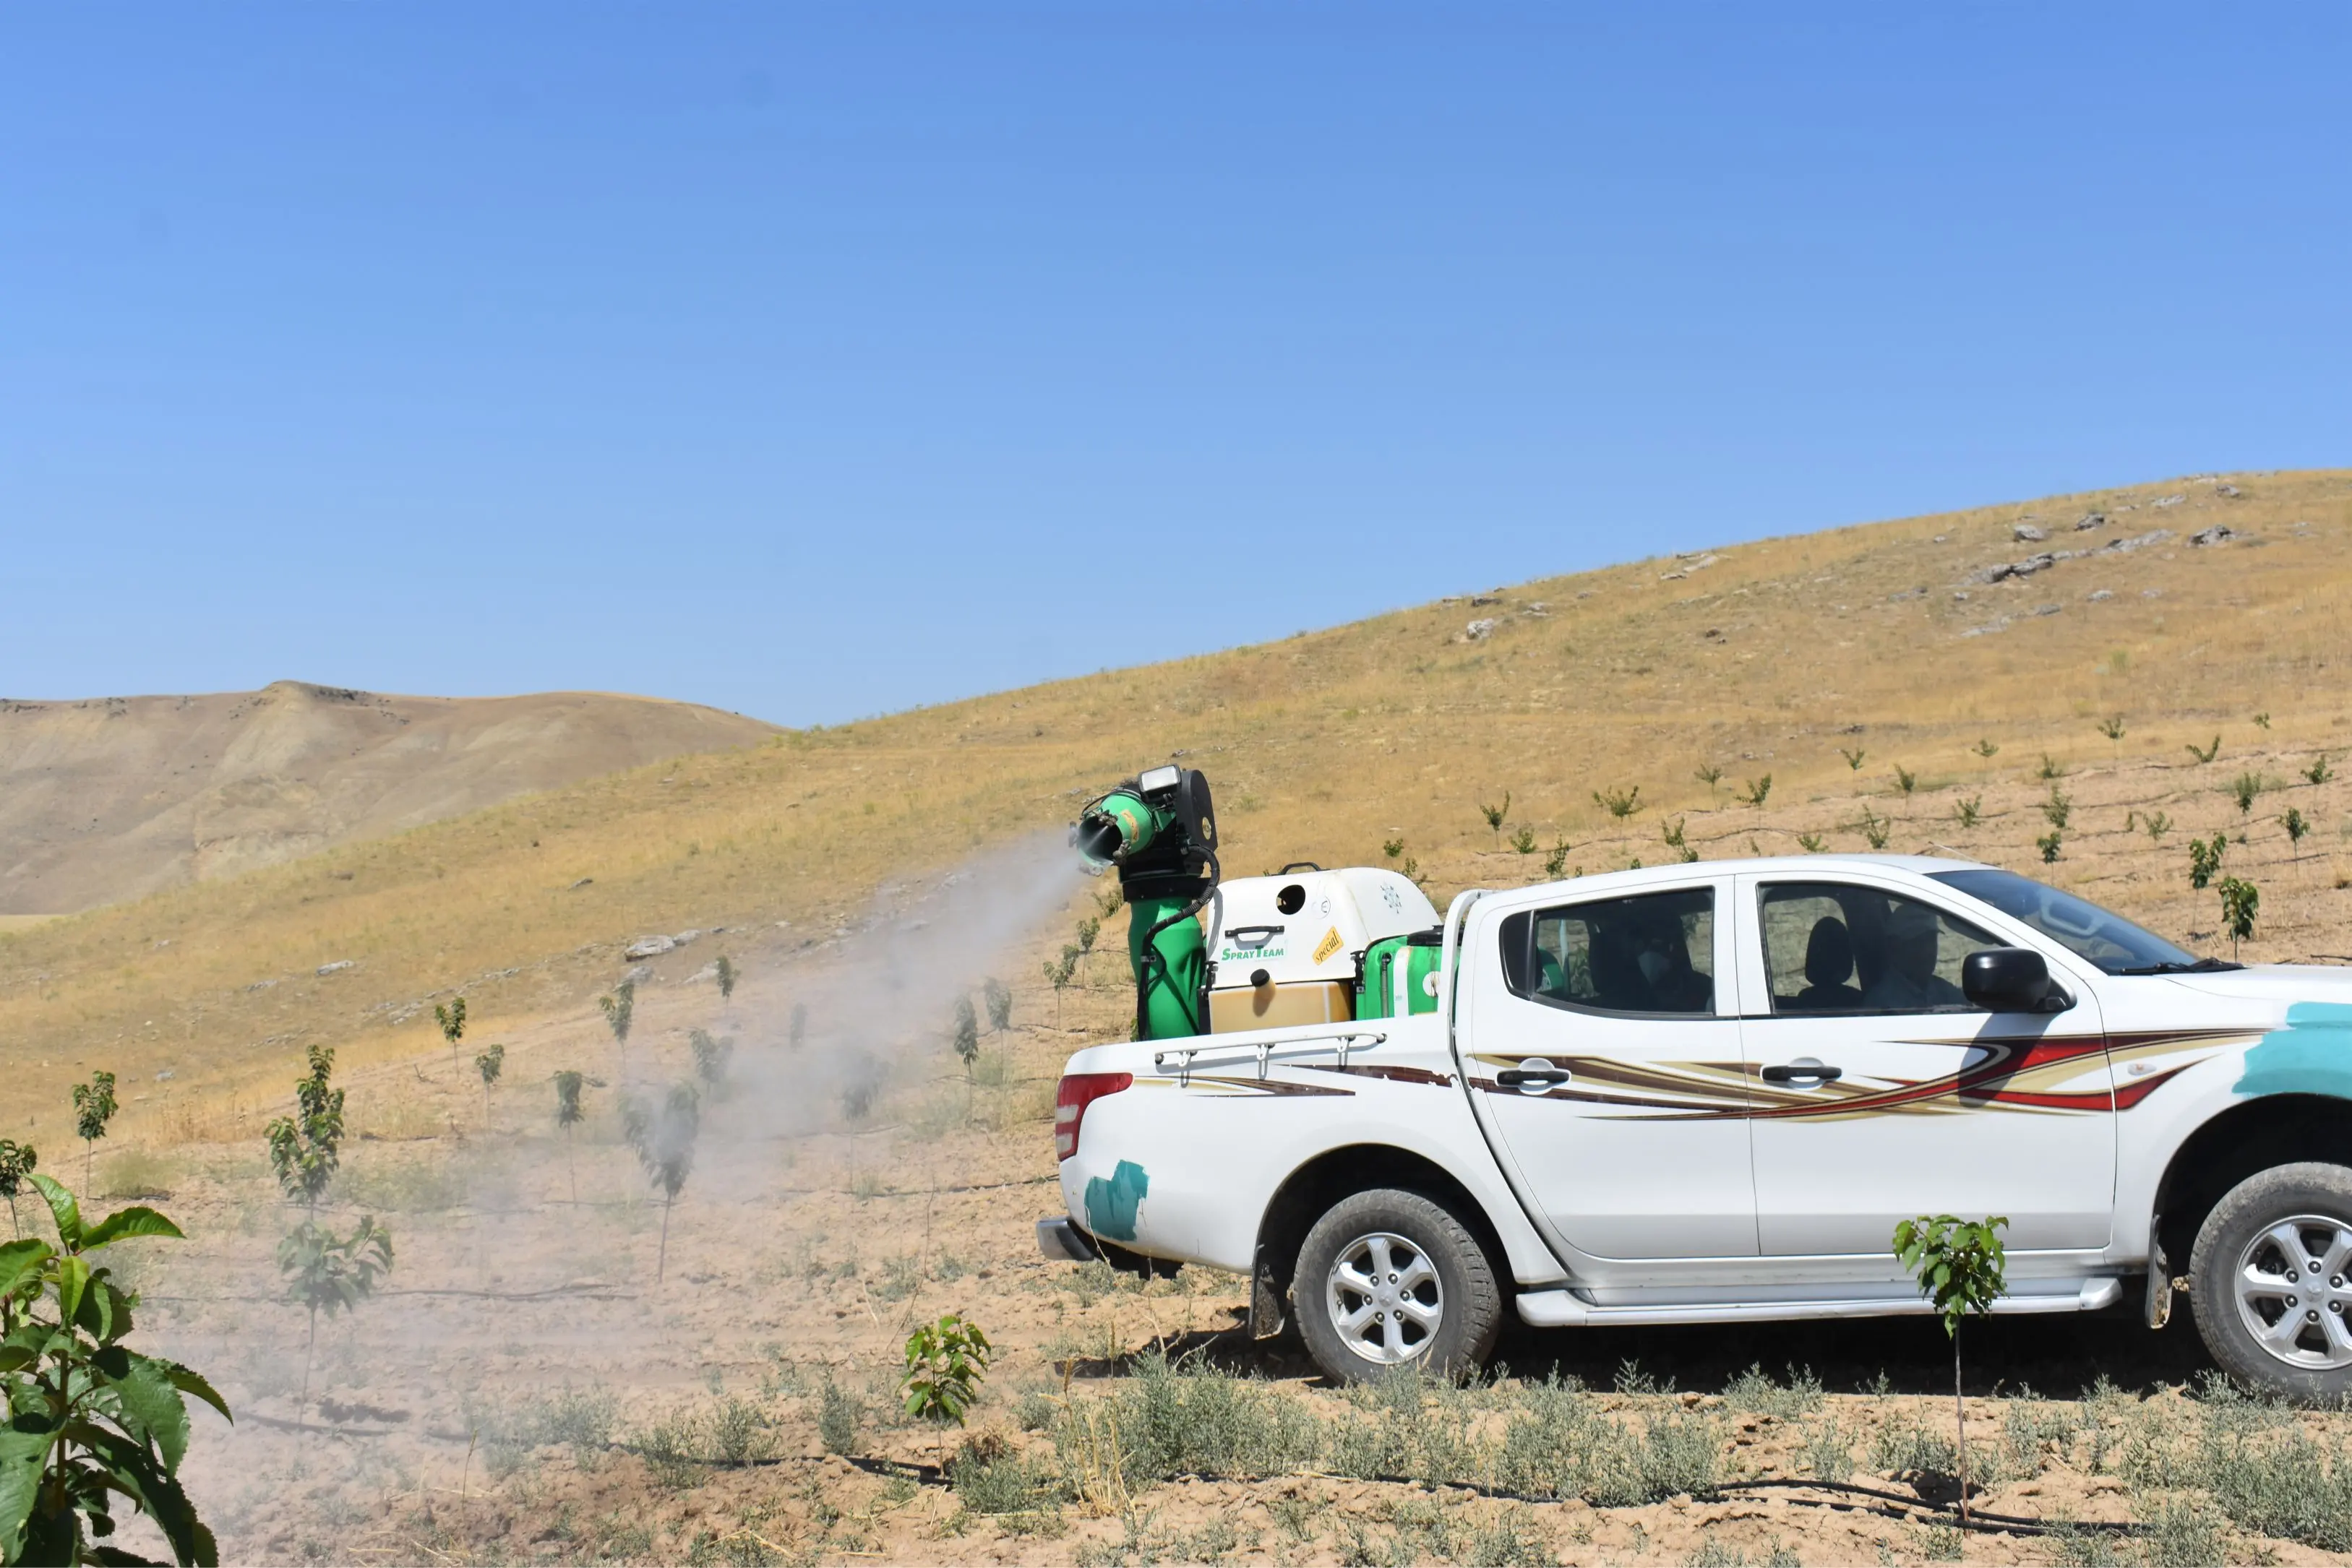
<point x="1385" y="1298"/>
<point x="2294" y="1293"/>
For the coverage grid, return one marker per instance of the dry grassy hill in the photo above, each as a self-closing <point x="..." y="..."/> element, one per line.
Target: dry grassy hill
<point x="116" y="798"/>
<point x="536" y="1392"/>
<point x="1889" y="642"/>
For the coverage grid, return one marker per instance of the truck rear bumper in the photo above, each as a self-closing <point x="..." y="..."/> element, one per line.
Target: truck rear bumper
<point x="1060" y="1239"/>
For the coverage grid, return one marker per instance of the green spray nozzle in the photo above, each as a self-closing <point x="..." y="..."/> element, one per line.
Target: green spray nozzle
<point x="1118" y="825"/>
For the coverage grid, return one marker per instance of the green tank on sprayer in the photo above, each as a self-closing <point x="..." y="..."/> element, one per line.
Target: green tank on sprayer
<point x="1159" y="829"/>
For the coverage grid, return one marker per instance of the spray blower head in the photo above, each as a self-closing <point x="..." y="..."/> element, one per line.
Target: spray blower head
<point x="1159" y="829"/>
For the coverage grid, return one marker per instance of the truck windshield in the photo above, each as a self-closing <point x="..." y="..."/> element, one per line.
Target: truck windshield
<point x="2105" y="938"/>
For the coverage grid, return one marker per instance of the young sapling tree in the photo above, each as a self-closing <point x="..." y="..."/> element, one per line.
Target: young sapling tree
<point x="2051" y="768"/>
<point x="1088" y="929"/>
<point x="944" y="1364"/>
<point x="2296" y="825"/>
<point x="2205" y="859"/>
<point x="2157" y="824"/>
<point x="2111" y="727"/>
<point x="1905" y="780"/>
<point x="1962" y="1270"/>
<point x="1709" y="774"/>
<point x="663" y="1136"/>
<point x="2318" y="773"/>
<point x="1107" y="900"/>
<point x="620" y="1009"/>
<point x="1758" y="789"/>
<point x="94" y="1107"/>
<point x="570" y="1114"/>
<point x="997" y="998"/>
<point x="331" y="1273"/>
<point x="965" y="1035"/>
<point x="798" y="1036"/>
<point x="1874" y="829"/>
<point x="1619" y="803"/>
<point x="2050" y="844"/>
<point x="1810" y="844"/>
<point x="1494" y="815"/>
<point x="2206" y="753"/>
<point x="1524" y="841"/>
<point x="1556" y="860"/>
<point x="2244" y="790"/>
<point x="711" y="1055"/>
<point x="2240" y="902"/>
<point x="451" y="1017"/>
<point x="1673" y="836"/>
<point x="489" y="1064"/>
<point x="727" y="974"/>
<point x="2263" y="720"/>
<point x="17" y="1163"/>
<point x="1853" y="756"/>
<point x="1391" y="848"/>
<point x="306" y="1147"/>
<point x="1058" y="975"/>
<point x="1985" y="748"/>
<point x="2057" y="808"/>
<point x="1968" y="810"/>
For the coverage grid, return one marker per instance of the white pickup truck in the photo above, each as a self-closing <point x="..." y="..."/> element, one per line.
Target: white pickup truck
<point x="1708" y="1093"/>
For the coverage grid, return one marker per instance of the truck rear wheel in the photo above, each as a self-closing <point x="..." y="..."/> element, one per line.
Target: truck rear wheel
<point x="1389" y="1279"/>
<point x="2272" y="1278"/>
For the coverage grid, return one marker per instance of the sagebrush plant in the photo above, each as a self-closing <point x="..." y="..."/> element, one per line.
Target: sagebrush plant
<point x="451" y="1017"/>
<point x="17" y="1163"/>
<point x="329" y="1273"/>
<point x="945" y="1362"/>
<point x="663" y="1136"/>
<point x="92" y="1420"/>
<point x="306" y="1147"/>
<point x="1962" y="1270"/>
<point x="94" y="1107"/>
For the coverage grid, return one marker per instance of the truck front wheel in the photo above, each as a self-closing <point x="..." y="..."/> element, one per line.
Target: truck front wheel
<point x="1389" y="1279"/>
<point x="2273" y="1280"/>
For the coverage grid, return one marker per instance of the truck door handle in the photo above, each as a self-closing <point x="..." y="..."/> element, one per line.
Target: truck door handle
<point x="1512" y="1077"/>
<point x="1806" y="1069"/>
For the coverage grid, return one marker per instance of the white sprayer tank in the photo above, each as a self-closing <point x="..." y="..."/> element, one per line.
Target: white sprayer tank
<point x="1286" y="947"/>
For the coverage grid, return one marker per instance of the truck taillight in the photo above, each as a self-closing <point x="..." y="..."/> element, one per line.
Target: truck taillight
<point x="1078" y="1091"/>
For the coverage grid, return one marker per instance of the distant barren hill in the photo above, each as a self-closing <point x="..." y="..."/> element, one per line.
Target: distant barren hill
<point x="113" y="798"/>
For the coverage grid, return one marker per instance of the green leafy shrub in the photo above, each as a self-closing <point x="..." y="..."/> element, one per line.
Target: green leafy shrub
<point x="94" y="1422"/>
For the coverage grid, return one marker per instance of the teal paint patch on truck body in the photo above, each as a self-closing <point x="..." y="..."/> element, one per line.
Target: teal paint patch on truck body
<point x="1112" y="1206"/>
<point x="2312" y="1055"/>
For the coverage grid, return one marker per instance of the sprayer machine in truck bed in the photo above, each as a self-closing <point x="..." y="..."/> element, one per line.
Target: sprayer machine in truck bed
<point x="1701" y="1092"/>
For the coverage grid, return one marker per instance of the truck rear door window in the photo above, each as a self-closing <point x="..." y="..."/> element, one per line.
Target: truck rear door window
<point x="1653" y="952"/>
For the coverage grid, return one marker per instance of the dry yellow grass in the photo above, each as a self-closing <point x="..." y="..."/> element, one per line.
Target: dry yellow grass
<point x="1767" y="658"/>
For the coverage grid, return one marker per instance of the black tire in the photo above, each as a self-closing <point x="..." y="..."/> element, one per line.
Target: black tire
<point x="1448" y="1319"/>
<point x="2315" y="1201"/>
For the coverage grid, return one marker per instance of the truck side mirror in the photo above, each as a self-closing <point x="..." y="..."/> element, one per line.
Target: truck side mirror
<point x="2010" y="980"/>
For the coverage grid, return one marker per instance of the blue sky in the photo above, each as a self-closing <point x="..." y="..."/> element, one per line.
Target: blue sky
<point x="817" y="360"/>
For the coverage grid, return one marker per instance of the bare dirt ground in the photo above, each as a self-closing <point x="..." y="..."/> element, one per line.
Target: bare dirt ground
<point x="526" y="1389"/>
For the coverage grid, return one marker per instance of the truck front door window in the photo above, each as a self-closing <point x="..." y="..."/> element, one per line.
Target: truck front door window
<point x="1836" y="947"/>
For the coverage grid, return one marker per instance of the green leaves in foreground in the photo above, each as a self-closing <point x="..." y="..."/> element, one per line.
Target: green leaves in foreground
<point x="90" y="1421"/>
<point x="945" y="1362"/>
